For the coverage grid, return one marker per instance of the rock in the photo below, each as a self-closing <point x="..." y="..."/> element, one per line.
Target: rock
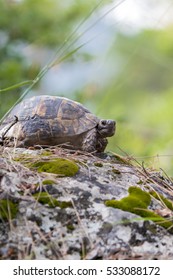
<point x="107" y="210"/>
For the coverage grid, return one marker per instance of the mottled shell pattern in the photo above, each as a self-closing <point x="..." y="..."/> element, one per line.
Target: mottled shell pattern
<point x="43" y="117"/>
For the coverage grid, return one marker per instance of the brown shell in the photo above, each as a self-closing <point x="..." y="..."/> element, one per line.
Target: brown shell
<point x="51" y="115"/>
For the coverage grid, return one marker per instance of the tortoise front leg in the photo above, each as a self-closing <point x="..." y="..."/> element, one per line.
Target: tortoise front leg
<point x="101" y="145"/>
<point x="90" y="141"/>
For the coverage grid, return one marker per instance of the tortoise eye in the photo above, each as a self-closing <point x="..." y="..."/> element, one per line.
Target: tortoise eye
<point x="103" y="122"/>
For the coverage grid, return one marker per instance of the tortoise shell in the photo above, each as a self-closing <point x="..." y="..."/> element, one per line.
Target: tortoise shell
<point x="51" y="120"/>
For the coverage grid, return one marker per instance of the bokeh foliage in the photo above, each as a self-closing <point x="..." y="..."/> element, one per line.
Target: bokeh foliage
<point x="141" y="94"/>
<point x="43" y="24"/>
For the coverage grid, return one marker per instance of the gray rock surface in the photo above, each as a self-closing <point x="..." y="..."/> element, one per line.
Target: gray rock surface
<point x="88" y="229"/>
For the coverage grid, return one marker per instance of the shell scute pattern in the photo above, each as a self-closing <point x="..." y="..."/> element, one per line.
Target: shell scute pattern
<point x="52" y="120"/>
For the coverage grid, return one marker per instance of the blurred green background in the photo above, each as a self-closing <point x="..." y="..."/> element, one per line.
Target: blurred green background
<point x="123" y="71"/>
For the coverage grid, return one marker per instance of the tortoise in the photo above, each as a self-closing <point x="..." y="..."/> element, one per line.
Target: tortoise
<point x="51" y="120"/>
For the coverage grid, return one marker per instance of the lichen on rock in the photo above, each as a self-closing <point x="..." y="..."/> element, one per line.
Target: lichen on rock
<point x="59" y="216"/>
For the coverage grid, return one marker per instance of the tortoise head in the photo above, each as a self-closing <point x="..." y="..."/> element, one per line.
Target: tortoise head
<point x="106" y="128"/>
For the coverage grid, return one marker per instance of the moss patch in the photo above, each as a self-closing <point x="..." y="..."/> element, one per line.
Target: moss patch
<point x="116" y="171"/>
<point x="46" y="153"/>
<point x="137" y="202"/>
<point x="8" y="209"/>
<point x="70" y="227"/>
<point x="48" y="182"/>
<point x="24" y="158"/>
<point x="160" y="197"/>
<point x="121" y="159"/>
<point x="98" y="164"/>
<point x="58" y="166"/>
<point x="46" y="198"/>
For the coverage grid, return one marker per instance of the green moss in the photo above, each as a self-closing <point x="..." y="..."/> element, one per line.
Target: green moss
<point x="116" y="171"/>
<point x="48" y="182"/>
<point x="46" y="198"/>
<point x="24" y="158"/>
<point x="121" y="159"/>
<point x="58" y="166"/>
<point x="137" y="202"/>
<point x="46" y="153"/>
<point x="160" y="197"/>
<point x="98" y="164"/>
<point x="140" y="182"/>
<point x="136" y="199"/>
<point x="70" y="227"/>
<point x="8" y="209"/>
